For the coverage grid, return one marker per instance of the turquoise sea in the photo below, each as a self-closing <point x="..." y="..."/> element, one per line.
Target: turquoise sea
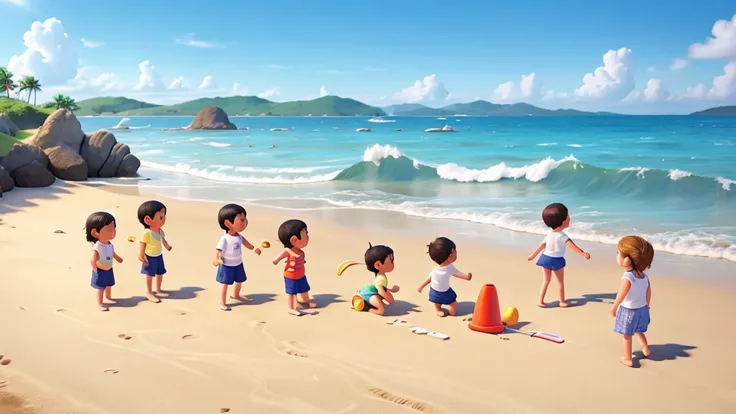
<point x="668" y="178"/>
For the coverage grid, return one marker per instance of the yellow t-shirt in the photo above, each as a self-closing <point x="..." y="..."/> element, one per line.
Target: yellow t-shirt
<point x="381" y="280"/>
<point x="153" y="242"/>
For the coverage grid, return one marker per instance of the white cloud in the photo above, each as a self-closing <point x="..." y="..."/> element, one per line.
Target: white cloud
<point x="270" y="93"/>
<point x="724" y="86"/>
<point x="323" y="91"/>
<point x="655" y="91"/>
<point x="190" y="41"/>
<point x="528" y="86"/>
<point x="50" y="55"/>
<point x="508" y="91"/>
<point x="697" y="92"/>
<point x="19" y="3"/>
<point x="207" y="83"/>
<point x="148" y="78"/>
<point x="721" y="45"/>
<point x="177" y="83"/>
<point x="504" y="91"/>
<point x="612" y="81"/>
<point x="91" y="43"/>
<point x="651" y="69"/>
<point x="549" y="95"/>
<point x="678" y="64"/>
<point x="428" y="89"/>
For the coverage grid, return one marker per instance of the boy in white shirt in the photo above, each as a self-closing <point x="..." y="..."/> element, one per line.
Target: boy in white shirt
<point x="443" y="252"/>
<point x="229" y="259"/>
<point x="557" y="218"/>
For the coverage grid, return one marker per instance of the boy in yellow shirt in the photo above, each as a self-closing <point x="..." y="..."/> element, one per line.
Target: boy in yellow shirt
<point x="152" y="215"/>
<point x="380" y="261"/>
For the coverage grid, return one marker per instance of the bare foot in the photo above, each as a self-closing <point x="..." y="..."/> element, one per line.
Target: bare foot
<point x="242" y="298"/>
<point x="646" y="351"/>
<point x="162" y="293"/>
<point x="629" y="363"/>
<point x="109" y="298"/>
<point x="102" y="309"/>
<point x="440" y="313"/>
<point x="295" y="312"/>
<point x="542" y="305"/>
<point x="311" y="305"/>
<point x="564" y="304"/>
<point x="153" y="298"/>
<point x="224" y="308"/>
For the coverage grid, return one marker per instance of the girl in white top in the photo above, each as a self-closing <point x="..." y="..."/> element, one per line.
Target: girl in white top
<point x="443" y="252"/>
<point x="229" y="252"/>
<point x="100" y="230"/>
<point x="557" y="218"/>
<point x="631" y="307"/>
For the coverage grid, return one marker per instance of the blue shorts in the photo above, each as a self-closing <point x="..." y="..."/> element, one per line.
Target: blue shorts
<point x="103" y="279"/>
<point x="442" y="298"/>
<point x="154" y="267"/>
<point x="296" y="286"/>
<point x="631" y="321"/>
<point x="227" y="275"/>
<point x="551" y="263"/>
<point x="367" y="292"/>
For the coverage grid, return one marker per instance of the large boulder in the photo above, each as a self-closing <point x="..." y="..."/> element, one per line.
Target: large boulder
<point x="7" y="126"/>
<point x="129" y="166"/>
<point x="21" y="155"/>
<point x="212" y="117"/>
<point x="34" y="174"/>
<point x="6" y="181"/>
<point x="110" y="167"/>
<point x="67" y="164"/>
<point x="60" y="128"/>
<point x="95" y="150"/>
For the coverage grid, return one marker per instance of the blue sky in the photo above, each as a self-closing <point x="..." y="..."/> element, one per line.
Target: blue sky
<point x="458" y="51"/>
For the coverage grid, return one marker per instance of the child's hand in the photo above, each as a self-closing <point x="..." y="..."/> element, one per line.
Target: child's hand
<point x="143" y="259"/>
<point x="614" y="311"/>
<point x="217" y="262"/>
<point x="530" y="258"/>
<point x="420" y="289"/>
<point x="470" y="275"/>
<point x="257" y="251"/>
<point x="586" y="255"/>
<point x="168" y="247"/>
<point x="275" y="262"/>
<point x="119" y="259"/>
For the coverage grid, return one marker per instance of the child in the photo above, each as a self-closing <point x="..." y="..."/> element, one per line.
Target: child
<point x="631" y="307"/>
<point x="229" y="256"/>
<point x="380" y="261"/>
<point x="152" y="215"/>
<point x="556" y="217"/>
<point x="443" y="252"/>
<point x="100" y="229"/>
<point x="294" y="236"/>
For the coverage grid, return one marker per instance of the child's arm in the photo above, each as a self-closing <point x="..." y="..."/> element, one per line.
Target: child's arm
<point x="620" y="296"/>
<point x="571" y="244"/>
<point x="166" y="244"/>
<point x="249" y="246"/>
<point x="461" y="275"/>
<point x="541" y="247"/>
<point x="93" y="260"/>
<point x="280" y="257"/>
<point x="218" y="258"/>
<point x="142" y="253"/>
<point x="385" y="294"/>
<point x="116" y="257"/>
<point x="649" y="294"/>
<point x="424" y="284"/>
<point x="292" y="253"/>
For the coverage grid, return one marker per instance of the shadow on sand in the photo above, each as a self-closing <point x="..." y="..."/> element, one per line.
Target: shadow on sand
<point x="465" y="308"/>
<point x="130" y="302"/>
<point x="401" y="308"/>
<point x="256" y="299"/>
<point x="186" y="292"/>
<point x="587" y="298"/>
<point x="666" y="352"/>
<point x="324" y="300"/>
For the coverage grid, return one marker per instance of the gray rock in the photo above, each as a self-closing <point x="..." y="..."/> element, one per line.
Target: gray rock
<point x="6" y="181"/>
<point x="66" y="164"/>
<point x="22" y="155"/>
<point x="212" y="117"/>
<point x="110" y="167"/>
<point x="129" y="166"/>
<point x="7" y="126"/>
<point x="61" y="128"/>
<point x="95" y="150"/>
<point x="33" y="175"/>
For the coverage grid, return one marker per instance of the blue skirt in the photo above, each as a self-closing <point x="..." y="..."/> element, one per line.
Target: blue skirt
<point x="551" y="263"/>
<point x="631" y="321"/>
<point x="154" y="267"/>
<point x="442" y="298"/>
<point x="227" y="275"/>
<point x="296" y="286"/>
<point x="103" y="279"/>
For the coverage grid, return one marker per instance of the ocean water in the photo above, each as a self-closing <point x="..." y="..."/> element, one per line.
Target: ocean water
<point x="668" y="178"/>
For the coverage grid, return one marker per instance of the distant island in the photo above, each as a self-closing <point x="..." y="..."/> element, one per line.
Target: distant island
<point x="485" y="108"/>
<point x="717" y="111"/>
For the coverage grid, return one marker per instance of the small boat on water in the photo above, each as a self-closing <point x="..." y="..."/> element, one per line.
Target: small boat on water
<point x="381" y="120"/>
<point x="363" y="130"/>
<point x="123" y="125"/>
<point x="445" y="128"/>
<point x="279" y="129"/>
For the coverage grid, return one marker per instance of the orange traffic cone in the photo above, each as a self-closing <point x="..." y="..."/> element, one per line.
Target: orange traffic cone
<point x="487" y="315"/>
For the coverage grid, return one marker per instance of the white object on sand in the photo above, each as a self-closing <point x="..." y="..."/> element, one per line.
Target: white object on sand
<point x="439" y="335"/>
<point x="419" y="331"/>
<point x="399" y="322"/>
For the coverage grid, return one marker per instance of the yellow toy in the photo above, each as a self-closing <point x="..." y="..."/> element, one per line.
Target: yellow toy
<point x="131" y="239"/>
<point x="511" y="316"/>
<point x="358" y="303"/>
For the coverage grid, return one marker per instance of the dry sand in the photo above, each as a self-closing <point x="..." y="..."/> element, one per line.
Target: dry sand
<point x="184" y="355"/>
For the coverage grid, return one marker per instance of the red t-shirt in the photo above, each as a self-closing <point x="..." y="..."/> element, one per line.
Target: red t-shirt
<point x="298" y="266"/>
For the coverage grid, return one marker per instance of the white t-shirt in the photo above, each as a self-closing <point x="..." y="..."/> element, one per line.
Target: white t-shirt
<point x="232" y="249"/>
<point x="637" y="296"/>
<point x="106" y="252"/>
<point x="555" y="244"/>
<point x="441" y="277"/>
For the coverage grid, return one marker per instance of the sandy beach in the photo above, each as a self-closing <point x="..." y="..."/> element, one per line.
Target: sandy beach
<point x="185" y="355"/>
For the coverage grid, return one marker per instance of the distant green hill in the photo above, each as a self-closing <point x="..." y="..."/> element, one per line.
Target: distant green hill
<point x="718" y="111"/>
<point x="484" y="108"/>
<point x="252" y="105"/>
<point x="23" y="115"/>
<point x="110" y="105"/>
<point x="392" y="109"/>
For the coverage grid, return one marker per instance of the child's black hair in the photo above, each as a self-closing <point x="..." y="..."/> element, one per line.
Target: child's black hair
<point x="376" y="254"/>
<point x="554" y="215"/>
<point x="96" y="221"/>
<point x="440" y="249"/>
<point x="291" y="228"/>
<point x="228" y="212"/>
<point x="149" y="209"/>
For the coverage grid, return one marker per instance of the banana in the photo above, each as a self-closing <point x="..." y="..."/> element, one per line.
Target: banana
<point x="345" y="265"/>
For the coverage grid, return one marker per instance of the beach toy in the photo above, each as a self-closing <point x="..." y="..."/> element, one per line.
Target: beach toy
<point x="487" y="315"/>
<point x="345" y="265"/>
<point x="540" y="335"/>
<point x="358" y="303"/>
<point x="265" y="244"/>
<point x="510" y="316"/>
<point x="131" y="239"/>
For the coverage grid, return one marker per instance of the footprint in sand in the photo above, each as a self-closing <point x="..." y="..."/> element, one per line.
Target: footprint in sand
<point x="181" y="312"/>
<point x="111" y="371"/>
<point x="21" y="308"/>
<point x="187" y="336"/>
<point x="124" y="336"/>
<point x="61" y="310"/>
<point x="6" y="361"/>
<point x="385" y="395"/>
<point x="224" y="410"/>
<point x="295" y="353"/>
<point x="3" y="384"/>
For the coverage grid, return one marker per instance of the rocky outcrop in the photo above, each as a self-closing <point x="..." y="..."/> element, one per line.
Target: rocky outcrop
<point x="7" y="126"/>
<point x="110" y="168"/>
<point x="129" y="166"/>
<point x="21" y="155"/>
<point x="6" y="181"/>
<point x="66" y="164"/>
<point x="60" y="128"/>
<point x="33" y="175"/>
<point x="212" y="117"/>
<point x="95" y="150"/>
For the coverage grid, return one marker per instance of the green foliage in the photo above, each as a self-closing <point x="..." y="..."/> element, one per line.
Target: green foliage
<point x="24" y="116"/>
<point x="106" y="105"/>
<point x="6" y="81"/>
<point x="6" y="143"/>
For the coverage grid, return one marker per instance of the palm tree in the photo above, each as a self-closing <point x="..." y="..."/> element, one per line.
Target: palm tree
<point x="32" y="85"/>
<point x="6" y="81"/>
<point x="65" y="102"/>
